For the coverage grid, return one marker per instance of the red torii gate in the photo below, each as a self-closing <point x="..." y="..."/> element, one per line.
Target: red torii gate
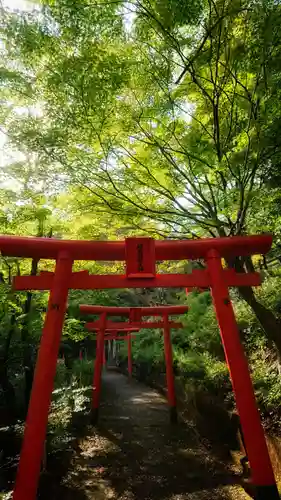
<point x="127" y="337"/>
<point x="135" y="315"/>
<point x="140" y="255"/>
<point x="112" y="334"/>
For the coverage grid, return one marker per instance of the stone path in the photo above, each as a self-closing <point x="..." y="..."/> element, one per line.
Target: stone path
<point x="135" y="453"/>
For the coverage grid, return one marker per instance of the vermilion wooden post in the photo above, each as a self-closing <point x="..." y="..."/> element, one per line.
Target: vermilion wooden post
<point x="104" y="356"/>
<point x="98" y="369"/>
<point x="257" y="452"/>
<point x="130" y="366"/>
<point x="37" y="417"/>
<point x="169" y="370"/>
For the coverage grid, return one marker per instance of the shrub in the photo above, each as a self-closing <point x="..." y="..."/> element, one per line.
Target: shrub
<point x="70" y="396"/>
<point x="190" y="364"/>
<point x="83" y="371"/>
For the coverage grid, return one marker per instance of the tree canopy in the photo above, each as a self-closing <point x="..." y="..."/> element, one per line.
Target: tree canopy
<point x="152" y="117"/>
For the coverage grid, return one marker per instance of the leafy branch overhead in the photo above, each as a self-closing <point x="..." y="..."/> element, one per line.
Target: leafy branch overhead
<point x="162" y="112"/>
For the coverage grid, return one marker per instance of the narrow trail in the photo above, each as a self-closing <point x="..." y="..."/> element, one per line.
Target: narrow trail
<point x="135" y="453"/>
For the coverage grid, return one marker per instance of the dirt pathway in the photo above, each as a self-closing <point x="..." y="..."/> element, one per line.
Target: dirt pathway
<point x="134" y="453"/>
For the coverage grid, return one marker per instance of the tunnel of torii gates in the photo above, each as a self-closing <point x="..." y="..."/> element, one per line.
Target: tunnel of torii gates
<point x="140" y="256"/>
<point x="135" y="315"/>
<point x="111" y="334"/>
<point x="127" y="335"/>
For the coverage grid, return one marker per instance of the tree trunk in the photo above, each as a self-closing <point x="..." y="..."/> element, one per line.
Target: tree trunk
<point x="7" y="386"/>
<point x="8" y="390"/>
<point x="28" y="355"/>
<point x="270" y="324"/>
<point x="28" y="358"/>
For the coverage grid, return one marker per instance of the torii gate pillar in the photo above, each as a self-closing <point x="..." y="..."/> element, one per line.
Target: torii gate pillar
<point x="261" y="469"/>
<point x="37" y="417"/>
<point x="169" y="371"/>
<point x="98" y="370"/>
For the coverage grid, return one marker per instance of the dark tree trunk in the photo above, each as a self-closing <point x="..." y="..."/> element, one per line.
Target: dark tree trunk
<point x="28" y="379"/>
<point x="28" y="355"/>
<point x="68" y="361"/>
<point x="28" y="358"/>
<point x="270" y="324"/>
<point x="7" y="386"/>
<point x="8" y="390"/>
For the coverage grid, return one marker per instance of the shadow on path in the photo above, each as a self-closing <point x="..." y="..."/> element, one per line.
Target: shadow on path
<point x="135" y="453"/>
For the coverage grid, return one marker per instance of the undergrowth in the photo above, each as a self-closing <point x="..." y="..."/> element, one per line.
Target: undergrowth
<point x="70" y="405"/>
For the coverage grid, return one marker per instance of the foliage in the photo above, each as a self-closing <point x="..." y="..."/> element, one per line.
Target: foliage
<point x="157" y="118"/>
<point x="160" y="117"/>
<point x="220" y="83"/>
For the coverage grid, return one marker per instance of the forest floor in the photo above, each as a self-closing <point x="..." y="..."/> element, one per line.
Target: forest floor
<point x="135" y="453"/>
